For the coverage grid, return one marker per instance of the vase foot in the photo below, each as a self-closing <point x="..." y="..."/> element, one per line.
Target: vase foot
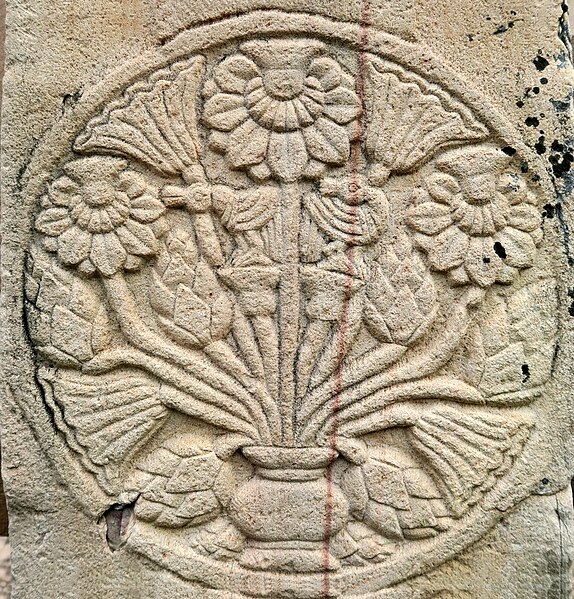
<point x="289" y="556"/>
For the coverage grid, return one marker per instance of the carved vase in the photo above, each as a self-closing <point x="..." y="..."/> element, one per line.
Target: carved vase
<point x="268" y="509"/>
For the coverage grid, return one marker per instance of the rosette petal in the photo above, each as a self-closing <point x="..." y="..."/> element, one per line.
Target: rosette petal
<point x="232" y="74"/>
<point x="518" y="247"/>
<point x="53" y="221"/>
<point x="449" y="249"/>
<point x="442" y="187"/>
<point x="146" y="208"/>
<point x="137" y="239"/>
<point x="430" y="218"/>
<point x="327" y="71"/>
<point x="328" y="142"/>
<point x="525" y="217"/>
<point x="74" y="245"/>
<point x="107" y="253"/>
<point x="287" y="155"/>
<point x="341" y="105"/>
<point x="248" y="145"/>
<point x="225" y="112"/>
<point x="482" y="262"/>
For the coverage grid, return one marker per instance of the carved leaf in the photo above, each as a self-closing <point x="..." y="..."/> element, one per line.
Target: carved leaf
<point x="511" y="349"/>
<point x="461" y="457"/>
<point x="410" y="120"/>
<point x="183" y="484"/>
<point x="393" y="495"/>
<point x="67" y="319"/>
<point x="154" y="121"/>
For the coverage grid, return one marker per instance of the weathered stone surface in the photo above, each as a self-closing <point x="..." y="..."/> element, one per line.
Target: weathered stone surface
<point x="288" y="299"/>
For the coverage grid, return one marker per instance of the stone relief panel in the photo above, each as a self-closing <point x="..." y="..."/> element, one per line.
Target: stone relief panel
<point x="281" y="294"/>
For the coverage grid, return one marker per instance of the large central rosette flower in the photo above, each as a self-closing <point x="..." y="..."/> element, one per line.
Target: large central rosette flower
<point x="282" y="109"/>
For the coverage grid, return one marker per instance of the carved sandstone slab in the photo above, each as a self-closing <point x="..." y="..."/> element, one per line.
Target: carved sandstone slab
<point x="288" y="299"/>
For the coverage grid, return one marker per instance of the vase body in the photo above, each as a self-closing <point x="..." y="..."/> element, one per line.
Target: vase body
<point x="290" y="509"/>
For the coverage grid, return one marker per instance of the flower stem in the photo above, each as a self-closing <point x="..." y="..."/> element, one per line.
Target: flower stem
<point x="289" y="305"/>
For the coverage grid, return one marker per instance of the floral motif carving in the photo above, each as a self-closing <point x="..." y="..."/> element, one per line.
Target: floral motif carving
<point x="101" y="217"/>
<point x="281" y="109"/>
<point x="476" y="221"/>
<point x="301" y="255"/>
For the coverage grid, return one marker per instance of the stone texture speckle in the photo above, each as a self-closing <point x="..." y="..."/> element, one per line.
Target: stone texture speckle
<point x="288" y="297"/>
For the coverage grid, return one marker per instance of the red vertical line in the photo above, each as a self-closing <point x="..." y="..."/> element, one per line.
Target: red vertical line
<point x="355" y="190"/>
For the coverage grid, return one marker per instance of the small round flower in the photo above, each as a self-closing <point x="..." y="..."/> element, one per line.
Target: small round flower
<point x="281" y="109"/>
<point x="101" y="217"/>
<point x="475" y="220"/>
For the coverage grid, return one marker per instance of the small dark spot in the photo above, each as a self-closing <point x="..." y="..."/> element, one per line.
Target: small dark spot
<point x="536" y="90"/>
<point x="549" y="211"/>
<point x="557" y="146"/>
<point x="470" y="37"/>
<point x="544" y="80"/>
<point x="489" y="18"/>
<point x="520" y="104"/>
<point x="509" y="150"/>
<point x="562" y="105"/>
<point x="500" y="250"/>
<point x="540" y="147"/>
<point x="501" y="29"/>
<point x="536" y="178"/>
<point x="532" y="121"/>
<point x="540" y="63"/>
<point x="571" y="309"/>
<point x="561" y="168"/>
<point x="524" y="167"/>
<point x="525" y="373"/>
<point x="545" y="481"/>
<point x="486" y="259"/>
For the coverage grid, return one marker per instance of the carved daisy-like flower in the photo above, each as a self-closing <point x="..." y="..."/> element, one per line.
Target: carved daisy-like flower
<point x="281" y="108"/>
<point x="475" y="220"/>
<point x="100" y="216"/>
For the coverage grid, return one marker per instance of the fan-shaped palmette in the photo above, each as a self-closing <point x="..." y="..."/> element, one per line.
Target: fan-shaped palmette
<point x="224" y="410"/>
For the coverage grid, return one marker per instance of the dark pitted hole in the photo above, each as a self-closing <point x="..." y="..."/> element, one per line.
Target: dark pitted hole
<point x="525" y="373"/>
<point x="540" y="63"/>
<point x="499" y="250"/>
<point x="119" y="523"/>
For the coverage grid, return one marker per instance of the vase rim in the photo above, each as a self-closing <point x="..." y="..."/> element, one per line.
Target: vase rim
<point x="298" y="458"/>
